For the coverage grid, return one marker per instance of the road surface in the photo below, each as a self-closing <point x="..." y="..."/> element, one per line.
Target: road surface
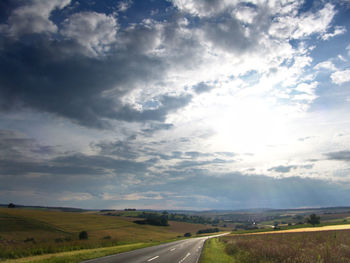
<point x="183" y="251"/>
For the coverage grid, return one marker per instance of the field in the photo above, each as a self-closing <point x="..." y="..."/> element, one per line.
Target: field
<point x="51" y="235"/>
<point x="295" y="247"/>
<point x="29" y="232"/>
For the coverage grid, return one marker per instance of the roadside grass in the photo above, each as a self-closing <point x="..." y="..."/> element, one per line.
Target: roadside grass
<point x="303" y="247"/>
<point x="29" y="232"/>
<point x="80" y="255"/>
<point x="214" y="251"/>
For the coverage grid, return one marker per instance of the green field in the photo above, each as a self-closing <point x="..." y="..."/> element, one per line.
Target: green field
<point x="30" y="232"/>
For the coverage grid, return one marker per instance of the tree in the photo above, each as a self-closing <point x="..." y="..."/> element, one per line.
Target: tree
<point x="187" y="234"/>
<point x="83" y="235"/>
<point x="313" y="219"/>
<point x="11" y="205"/>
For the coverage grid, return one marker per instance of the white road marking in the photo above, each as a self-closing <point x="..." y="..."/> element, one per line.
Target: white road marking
<point x="172" y="249"/>
<point x="182" y="260"/>
<point x="153" y="258"/>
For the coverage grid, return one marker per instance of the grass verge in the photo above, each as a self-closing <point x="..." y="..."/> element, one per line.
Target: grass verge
<point x="214" y="251"/>
<point x="80" y="255"/>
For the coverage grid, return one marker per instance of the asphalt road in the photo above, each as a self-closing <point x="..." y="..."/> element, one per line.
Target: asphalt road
<point x="183" y="251"/>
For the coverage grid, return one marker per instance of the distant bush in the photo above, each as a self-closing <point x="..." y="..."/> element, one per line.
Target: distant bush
<point x="154" y="219"/>
<point x="187" y="234"/>
<point x="245" y="227"/>
<point x="83" y="235"/>
<point x="107" y="237"/>
<point x="313" y="219"/>
<point x="59" y="240"/>
<point x="11" y="205"/>
<point x="208" y="230"/>
<point x="29" y="239"/>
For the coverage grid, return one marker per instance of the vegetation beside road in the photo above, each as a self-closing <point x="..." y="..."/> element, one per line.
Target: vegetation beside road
<point x="214" y="251"/>
<point x="301" y="247"/>
<point x="80" y="255"/>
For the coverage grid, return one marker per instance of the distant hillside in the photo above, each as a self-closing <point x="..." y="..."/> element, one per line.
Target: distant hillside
<point x="63" y="209"/>
<point x="25" y="232"/>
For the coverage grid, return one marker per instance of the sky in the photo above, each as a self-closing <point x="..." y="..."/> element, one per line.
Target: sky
<point x="175" y="104"/>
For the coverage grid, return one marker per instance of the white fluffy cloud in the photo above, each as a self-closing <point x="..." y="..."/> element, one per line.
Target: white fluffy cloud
<point x="341" y="76"/>
<point x="328" y="65"/>
<point x="33" y="17"/>
<point x="94" y="31"/>
<point x="338" y="30"/>
<point x="292" y="25"/>
<point x="311" y="23"/>
<point x="124" y="5"/>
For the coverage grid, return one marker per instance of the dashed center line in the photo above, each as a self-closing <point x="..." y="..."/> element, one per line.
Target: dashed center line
<point x="172" y="249"/>
<point x="182" y="260"/>
<point x="153" y="258"/>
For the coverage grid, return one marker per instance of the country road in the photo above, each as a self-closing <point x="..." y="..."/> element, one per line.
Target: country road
<point x="183" y="251"/>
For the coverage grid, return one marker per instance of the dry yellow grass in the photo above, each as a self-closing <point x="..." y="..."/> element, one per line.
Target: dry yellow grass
<point x="298" y="230"/>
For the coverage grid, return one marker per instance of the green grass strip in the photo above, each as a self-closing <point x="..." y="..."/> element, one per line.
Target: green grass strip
<point x="214" y="251"/>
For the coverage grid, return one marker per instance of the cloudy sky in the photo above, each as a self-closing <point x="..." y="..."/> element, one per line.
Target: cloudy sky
<point x="175" y="104"/>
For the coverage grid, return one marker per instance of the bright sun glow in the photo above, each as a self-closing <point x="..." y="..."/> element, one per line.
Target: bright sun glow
<point x="250" y="125"/>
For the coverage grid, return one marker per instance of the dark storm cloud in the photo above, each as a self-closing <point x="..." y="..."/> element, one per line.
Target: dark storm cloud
<point x="288" y="168"/>
<point x="185" y="183"/>
<point x="339" y="156"/>
<point x="21" y="156"/>
<point x="202" y="88"/>
<point x="195" y="154"/>
<point x="61" y="76"/>
<point x="172" y="156"/>
<point x="121" y="149"/>
<point x="9" y="167"/>
<point x="283" y="169"/>
<point x="102" y="162"/>
<point x="190" y="164"/>
<point x="153" y="127"/>
<point x="168" y="104"/>
<point x="14" y="146"/>
<point x="228" y="35"/>
<point x="72" y="86"/>
<point x="235" y="190"/>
